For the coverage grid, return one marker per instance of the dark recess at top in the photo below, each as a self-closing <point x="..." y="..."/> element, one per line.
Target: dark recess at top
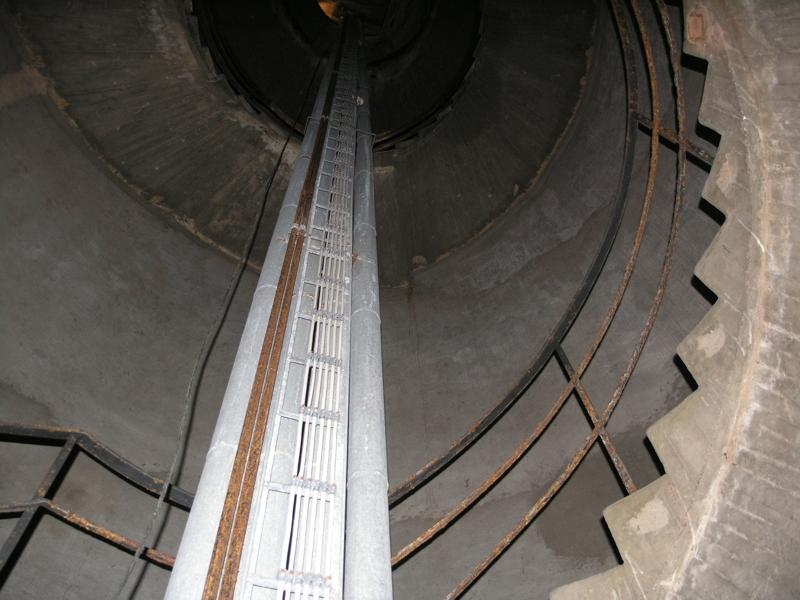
<point x="419" y="54"/>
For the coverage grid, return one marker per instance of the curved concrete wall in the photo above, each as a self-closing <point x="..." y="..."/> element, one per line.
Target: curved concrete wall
<point x="465" y="329"/>
<point x="107" y="289"/>
<point x="110" y="123"/>
<point x="131" y="79"/>
<point x="722" y="520"/>
<point x="440" y="190"/>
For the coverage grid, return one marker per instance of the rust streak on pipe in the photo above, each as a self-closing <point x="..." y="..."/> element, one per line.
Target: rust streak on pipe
<point x="224" y="566"/>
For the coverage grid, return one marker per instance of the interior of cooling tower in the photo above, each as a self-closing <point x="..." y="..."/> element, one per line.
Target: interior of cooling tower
<point x="570" y="284"/>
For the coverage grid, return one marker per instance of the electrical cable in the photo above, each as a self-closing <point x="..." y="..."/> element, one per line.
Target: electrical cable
<point x="157" y="519"/>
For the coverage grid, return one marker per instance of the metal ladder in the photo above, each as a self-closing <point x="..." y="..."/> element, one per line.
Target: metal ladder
<point x="294" y="544"/>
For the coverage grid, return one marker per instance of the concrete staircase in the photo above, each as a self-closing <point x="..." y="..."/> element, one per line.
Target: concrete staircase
<point x="722" y="522"/>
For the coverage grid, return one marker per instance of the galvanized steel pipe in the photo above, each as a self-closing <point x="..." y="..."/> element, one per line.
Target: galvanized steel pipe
<point x="194" y="553"/>
<point x="367" y="569"/>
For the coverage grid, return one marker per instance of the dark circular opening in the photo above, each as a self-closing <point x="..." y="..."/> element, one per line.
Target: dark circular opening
<point x="419" y="55"/>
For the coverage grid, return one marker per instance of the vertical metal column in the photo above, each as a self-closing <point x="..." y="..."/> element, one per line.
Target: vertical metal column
<point x="194" y="554"/>
<point x="269" y="517"/>
<point x="295" y="538"/>
<point x="368" y="572"/>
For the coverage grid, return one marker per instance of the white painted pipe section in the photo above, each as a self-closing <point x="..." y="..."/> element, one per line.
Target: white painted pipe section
<point x="194" y="554"/>
<point x="367" y="568"/>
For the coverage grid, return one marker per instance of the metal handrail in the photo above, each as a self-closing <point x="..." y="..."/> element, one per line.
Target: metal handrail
<point x="72" y="442"/>
<point x="552" y="346"/>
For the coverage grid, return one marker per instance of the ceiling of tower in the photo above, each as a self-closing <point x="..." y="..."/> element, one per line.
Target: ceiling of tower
<point x="468" y="100"/>
<point x="418" y="53"/>
<point x="478" y="95"/>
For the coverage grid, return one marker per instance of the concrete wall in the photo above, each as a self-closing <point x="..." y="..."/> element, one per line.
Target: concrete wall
<point x="105" y="302"/>
<point x="465" y="329"/>
<point x="722" y="520"/>
<point x="125" y="171"/>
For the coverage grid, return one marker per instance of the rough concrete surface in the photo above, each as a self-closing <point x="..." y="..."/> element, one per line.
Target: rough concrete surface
<point x="722" y="521"/>
<point x="104" y="307"/>
<point x="111" y="134"/>
<point x="530" y="263"/>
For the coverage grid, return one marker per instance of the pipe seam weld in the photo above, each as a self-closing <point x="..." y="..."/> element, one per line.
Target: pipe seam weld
<point x="371" y="474"/>
<point x="364" y="259"/>
<point x="365" y="224"/>
<point x="366" y="309"/>
<point x="221" y="445"/>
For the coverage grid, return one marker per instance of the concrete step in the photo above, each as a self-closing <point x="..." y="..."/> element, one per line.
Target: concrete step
<point x="617" y="582"/>
<point x="645" y="523"/>
<point x="690" y="439"/>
